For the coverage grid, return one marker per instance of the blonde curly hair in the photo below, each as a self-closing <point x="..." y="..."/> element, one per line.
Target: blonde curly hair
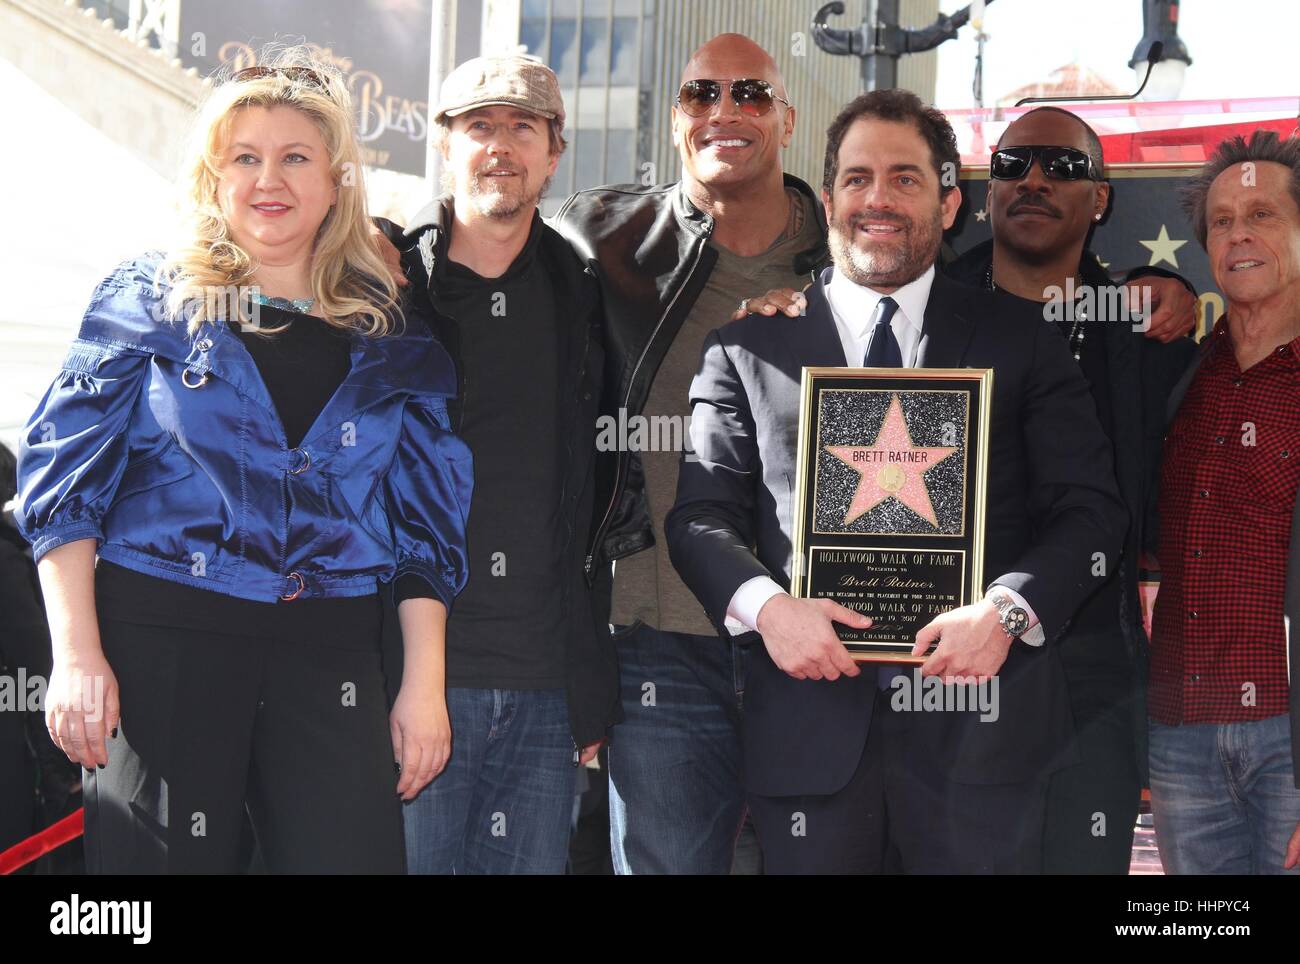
<point x="350" y="283"/>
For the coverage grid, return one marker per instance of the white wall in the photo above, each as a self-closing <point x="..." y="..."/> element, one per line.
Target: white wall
<point x="73" y="205"/>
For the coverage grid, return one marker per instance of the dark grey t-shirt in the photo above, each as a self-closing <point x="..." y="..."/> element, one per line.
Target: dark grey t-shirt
<point x="646" y="586"/>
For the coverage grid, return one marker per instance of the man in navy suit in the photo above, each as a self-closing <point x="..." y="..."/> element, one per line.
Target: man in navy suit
<point x="838" y="779"/>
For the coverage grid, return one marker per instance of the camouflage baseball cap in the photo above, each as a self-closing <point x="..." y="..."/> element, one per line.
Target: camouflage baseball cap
<point x="513" y="81"/>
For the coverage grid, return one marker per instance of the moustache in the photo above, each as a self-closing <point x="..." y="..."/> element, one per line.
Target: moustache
<point x="1030" y="203"/>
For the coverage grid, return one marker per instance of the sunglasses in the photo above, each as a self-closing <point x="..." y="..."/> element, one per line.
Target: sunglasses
<point x="301" y="75"/>
<point x="753" y="97"/>
<point x="1058" y="163"/>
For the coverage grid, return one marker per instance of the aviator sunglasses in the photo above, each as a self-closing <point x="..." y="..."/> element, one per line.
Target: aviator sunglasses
<point x="753" y="97"/>
<point x="1059" y="163"/>
<point x="300" y="75"/>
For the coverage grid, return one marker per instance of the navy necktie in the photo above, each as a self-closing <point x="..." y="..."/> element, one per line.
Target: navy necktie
<point x="883" y="352"/>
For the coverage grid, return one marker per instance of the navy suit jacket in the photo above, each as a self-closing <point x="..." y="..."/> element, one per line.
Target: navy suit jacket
<point x="1052" y="506"/>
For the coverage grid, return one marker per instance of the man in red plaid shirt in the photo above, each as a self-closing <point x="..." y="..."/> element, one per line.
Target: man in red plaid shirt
<point x="1225" y="712"/>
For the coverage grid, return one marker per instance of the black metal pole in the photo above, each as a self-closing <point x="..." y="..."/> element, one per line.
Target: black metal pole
<point x="879" y="41"/>
<point x="880" y="68"/>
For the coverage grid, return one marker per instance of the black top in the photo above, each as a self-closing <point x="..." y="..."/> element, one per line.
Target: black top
<point x="590" y="662"/>
<point x="505" y="630"/>
<point x="1099" y="616"/>
<point x="301" y="367"/>
<point x="1097" y="622"/>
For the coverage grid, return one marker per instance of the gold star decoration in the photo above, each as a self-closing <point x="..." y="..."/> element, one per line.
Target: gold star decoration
<point x="1163" y="248"/>
<point x="981" y="215"/>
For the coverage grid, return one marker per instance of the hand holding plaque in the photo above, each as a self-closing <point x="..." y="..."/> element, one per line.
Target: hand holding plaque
<point x="889" y="513"/>
<point x="801" y="638"/>
<point x="969" y="643"/>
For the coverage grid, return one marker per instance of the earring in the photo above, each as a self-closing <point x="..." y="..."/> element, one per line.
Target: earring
<point x="1096" y="217"/>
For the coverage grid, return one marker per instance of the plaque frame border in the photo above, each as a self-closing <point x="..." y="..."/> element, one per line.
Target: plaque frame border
<point x="982" y="414"/>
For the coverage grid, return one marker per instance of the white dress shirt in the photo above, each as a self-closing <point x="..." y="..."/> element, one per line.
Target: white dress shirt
<point x="853" y="307"/>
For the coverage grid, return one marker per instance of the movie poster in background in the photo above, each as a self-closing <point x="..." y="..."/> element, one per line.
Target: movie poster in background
<point x="382" y="47"/>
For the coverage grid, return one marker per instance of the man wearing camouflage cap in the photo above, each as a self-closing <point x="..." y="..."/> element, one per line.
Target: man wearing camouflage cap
<point x="531" y="686"/>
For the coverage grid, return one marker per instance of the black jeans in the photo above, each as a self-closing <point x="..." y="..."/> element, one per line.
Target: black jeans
<point x="213" y="723"/>
<point x="1092" y="805"/>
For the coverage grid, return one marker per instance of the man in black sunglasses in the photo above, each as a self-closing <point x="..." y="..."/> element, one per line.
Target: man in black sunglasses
<point x="1044" y="198"/>
<point x="1045" y="193"/>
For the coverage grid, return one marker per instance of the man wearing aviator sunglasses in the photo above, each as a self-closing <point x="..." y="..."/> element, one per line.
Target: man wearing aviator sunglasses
<point x="673" y="260"/>
<point x="752" y="97"/>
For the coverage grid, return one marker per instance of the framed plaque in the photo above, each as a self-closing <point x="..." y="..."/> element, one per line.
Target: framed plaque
<point x="889" y="499"/>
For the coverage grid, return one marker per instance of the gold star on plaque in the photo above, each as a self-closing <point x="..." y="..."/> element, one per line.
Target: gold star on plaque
<point x="1163" y="248"/>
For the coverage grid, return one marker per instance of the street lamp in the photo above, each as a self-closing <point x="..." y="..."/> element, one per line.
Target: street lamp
<point x="1160" y="25"/>
<point x="879" y="41"/>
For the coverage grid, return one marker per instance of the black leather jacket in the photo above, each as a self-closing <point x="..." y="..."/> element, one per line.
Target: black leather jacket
<point x="647" y="246"/>
<point x="591" y="667"/>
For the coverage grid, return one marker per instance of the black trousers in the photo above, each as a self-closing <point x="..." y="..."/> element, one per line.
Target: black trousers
<point x="1093" y="804"/>
<point x="899" y="813"/>
<point x="214" y="723"/>
<point x="17" y="776"/>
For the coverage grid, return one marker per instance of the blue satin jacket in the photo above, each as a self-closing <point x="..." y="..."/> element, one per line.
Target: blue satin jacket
<point x="168" y="450"/>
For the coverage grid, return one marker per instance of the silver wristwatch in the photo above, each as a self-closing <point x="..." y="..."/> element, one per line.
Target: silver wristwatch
<point x="1014" y="619"/>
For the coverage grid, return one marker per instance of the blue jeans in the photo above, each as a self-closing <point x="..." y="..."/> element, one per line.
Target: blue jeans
<point x="676" y="795"/>
<point x="1223" y="796"/>
<point x="504" y="803"/>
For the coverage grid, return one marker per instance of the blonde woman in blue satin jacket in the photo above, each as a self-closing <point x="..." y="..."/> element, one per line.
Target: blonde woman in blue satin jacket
<point x="247" y="443"/>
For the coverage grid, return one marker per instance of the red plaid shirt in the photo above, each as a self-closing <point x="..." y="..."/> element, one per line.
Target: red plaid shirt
<point x="1225" y="529"/>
